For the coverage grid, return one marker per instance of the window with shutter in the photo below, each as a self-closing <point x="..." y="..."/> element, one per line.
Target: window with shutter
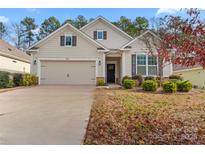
<point x="133" y="64"/>
<point x="74" y="40"/>
<point x="95" y="35"/>
<point x="99" y="35"/>
<point x="62" y="40"/>
<point x="68" y="40"/>
<point x="105" y="35"/>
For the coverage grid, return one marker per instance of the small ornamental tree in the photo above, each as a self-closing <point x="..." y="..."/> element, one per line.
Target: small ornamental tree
<point x="182" y="40"/>
<point x="188" y="42"/>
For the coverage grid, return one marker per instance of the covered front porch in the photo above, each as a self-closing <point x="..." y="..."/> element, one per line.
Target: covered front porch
<point x="113" y="67"/>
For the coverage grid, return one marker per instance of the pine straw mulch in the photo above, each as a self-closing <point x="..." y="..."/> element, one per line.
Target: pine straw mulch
<point x="136" y="117"/>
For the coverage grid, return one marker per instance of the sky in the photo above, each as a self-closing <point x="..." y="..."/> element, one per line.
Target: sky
<point x="9" y="16"/>
<point x="16" y="15"/>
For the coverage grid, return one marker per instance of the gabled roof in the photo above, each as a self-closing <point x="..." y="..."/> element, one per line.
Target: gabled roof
<point x="10" y="51"/>
<point x="109" y="23"/>
<point x="75" y="29"/>
<point x="138" y="37"/>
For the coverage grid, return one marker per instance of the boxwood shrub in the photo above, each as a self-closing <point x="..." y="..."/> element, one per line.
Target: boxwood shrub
<point x="169" y="86"/>
<point x="29" y="79"/>
<point x="149" y="85"/>
<point x="4" y="79"/>
<point x="17" y="79"/>
<point x="100" y="82"/>
<point x="129" y="84"/>
<point x="184" y="86"/>
<point x="124" y="78"/>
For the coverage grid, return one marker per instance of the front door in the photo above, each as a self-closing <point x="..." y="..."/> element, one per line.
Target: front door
<point x="110" y="73"/>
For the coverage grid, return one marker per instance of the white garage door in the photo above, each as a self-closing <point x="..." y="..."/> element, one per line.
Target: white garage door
<point x="68" y="72"/>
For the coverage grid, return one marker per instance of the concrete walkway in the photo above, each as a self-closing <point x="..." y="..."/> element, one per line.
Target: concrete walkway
<point x="45" y="114"/>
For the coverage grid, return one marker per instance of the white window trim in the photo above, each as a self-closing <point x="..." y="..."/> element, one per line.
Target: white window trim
<point x="102" y="35"/>
<point x="146" y="65"/>
<point x="70" y="35"/>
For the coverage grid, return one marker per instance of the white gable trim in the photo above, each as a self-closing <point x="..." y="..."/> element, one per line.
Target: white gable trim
<point x="75" y="29"/>
<point x="108" y="22"/>
<point x="138" y="37"/>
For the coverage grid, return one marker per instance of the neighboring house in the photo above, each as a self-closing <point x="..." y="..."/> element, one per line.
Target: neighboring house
<point x="13" y="60"/>
<point x="195" y="74"/>
<point x="97" y="50"/>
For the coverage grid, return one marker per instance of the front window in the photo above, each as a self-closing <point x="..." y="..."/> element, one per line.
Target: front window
<point x="146" y="65"/>
<point x="152" y="65"/>
<point x="68" y="40"/>
<point x="141" y="64"/>
<point x="100" y="35"/>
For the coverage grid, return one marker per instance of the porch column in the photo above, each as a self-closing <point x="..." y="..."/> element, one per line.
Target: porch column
<point x="123" y="65"/>
<point x="39" y="71"/>
<point x="104" y="65"/>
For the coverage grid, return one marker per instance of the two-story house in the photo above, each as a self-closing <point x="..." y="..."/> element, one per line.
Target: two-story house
<point x="97" y="50"/>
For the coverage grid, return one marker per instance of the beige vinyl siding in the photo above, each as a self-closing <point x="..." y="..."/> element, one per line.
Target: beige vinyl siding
<point x="68" y="72"/>
<point x="13" y="65"/>
<point x="114" y="39"/>
<point x="195" y="76"/>
<point x="138" y="47"/>
<point x="51" y="49"/>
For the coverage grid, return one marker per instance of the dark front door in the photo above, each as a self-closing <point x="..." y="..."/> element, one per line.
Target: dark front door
<point x="110" y="73"/>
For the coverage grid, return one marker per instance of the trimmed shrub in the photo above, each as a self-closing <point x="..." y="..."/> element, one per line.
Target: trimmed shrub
<point x="29" y="79"/>
<point x="129" y="84"/>
<point x="184" y="86"/>
<point x="149" y="78"/>
<point x="124" y="78"/>
<point x="170" y="87"/>
<point x="149" y="85"/>
<point x="176" y="77"/>
<point x="4" y="79"/>
<point x="100" y="82"/>
<point x="10" y="84"/>
<point x="139" y="78"/>
<point x="17" y="79"/>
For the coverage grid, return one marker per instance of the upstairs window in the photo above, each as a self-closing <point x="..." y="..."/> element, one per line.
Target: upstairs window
<point x="68" y="40"/>
<point x="99" y="35"/>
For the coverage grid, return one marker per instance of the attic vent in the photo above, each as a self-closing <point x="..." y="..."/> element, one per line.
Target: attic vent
<point x="9" y="49"/>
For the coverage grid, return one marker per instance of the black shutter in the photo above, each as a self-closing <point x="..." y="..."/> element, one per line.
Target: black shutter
<point x="105" y="35"/>
<point x="74" y="40"/>
<point x="133" y="64"/>
<point x="62" y="40"/>
<point x="95" y="35"/>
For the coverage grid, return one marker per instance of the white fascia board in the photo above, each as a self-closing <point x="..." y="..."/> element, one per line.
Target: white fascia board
<point x="148" y="31"/>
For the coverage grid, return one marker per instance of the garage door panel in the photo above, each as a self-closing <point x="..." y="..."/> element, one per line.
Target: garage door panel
<point x="58" y="72"/>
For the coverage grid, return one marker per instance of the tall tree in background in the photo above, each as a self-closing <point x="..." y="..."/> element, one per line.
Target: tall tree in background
<point x="28" y="28"/>
<point x="48" y="26"/>
<point x="17" y="28"/>
<point x="133" y="28"/>
<point x="3" y="30"/>
<point x="70" y="21"/>
<point x="141" y="24"/>
<point x="124" y="23"/>
<point x="80" y="21"/>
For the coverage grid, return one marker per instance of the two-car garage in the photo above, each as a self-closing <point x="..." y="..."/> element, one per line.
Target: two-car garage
<point x="67" y="72"/>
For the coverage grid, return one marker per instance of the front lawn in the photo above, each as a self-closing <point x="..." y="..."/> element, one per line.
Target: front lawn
<point x="134" y="117"/>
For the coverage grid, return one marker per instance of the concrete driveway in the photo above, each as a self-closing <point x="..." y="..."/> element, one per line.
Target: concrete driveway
<point x="45" y="114"/>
